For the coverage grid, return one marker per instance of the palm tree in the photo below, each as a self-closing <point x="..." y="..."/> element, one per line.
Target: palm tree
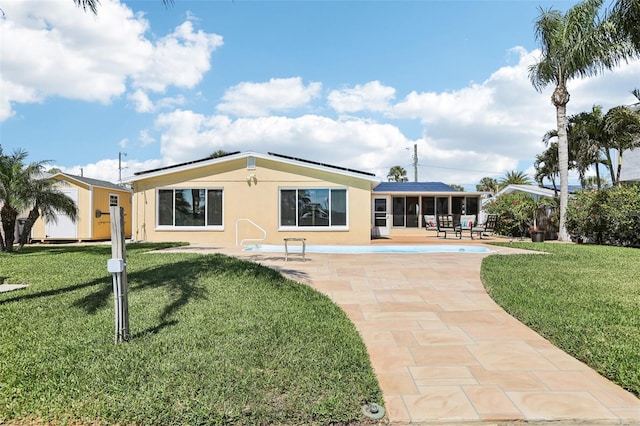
<point x="219" y="153"/>
<point x="626" y="16"/>
<point x="514" y="177"/>
<point x="546" y="165"/>
<point x="575" y="44"/>
<point x="487" y="184"/>
<point x="22" y="187"/>
<point x="585" y="136"/>
<point x="12" y="194"/>
<point x="622" y="127"/>
<point x="92" y="5"/>
<point x="457" y="187"/>
<point x="47" y="201"/>
<point x="397" y="174"/>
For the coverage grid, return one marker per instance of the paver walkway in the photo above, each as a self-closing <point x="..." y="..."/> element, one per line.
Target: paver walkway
<point x="443" y="351"/>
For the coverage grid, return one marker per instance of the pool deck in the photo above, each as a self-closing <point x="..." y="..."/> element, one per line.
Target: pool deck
<point x="443" y="351"/>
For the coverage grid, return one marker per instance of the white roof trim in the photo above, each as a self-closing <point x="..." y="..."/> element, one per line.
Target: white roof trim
<point x="530" y="189"/>
<point x="198" y="164"/>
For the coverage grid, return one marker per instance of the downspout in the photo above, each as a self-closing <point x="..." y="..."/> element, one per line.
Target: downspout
<point x="134" y="213"/>
<point x="90" y="212"/>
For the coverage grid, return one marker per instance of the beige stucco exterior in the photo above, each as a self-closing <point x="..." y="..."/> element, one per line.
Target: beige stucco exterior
<point x="251" y="196"/>
<point x="90" y="198"/>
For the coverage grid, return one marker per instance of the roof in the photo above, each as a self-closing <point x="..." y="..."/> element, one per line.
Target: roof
<point x="534" y="190"/>
<point x="413" y="187"/>
<point x="92" y="182"/>
<point x="238" y="155"/>
<point x="321" y="164"/>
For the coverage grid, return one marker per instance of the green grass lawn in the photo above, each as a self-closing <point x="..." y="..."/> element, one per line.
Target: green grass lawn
<point x="584" y="299"/>
<point x="216" y="340"/>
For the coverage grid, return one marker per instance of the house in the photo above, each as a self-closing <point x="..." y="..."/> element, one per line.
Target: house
<point x="92" y="197"/>
<point x="250" y="197"/>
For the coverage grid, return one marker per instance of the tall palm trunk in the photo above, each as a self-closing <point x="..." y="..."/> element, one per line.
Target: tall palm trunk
<point x="34" y="214"/>
<point x="9" y="216"/>
<point x="560" y="98"/>
<point x="619" y="168"/>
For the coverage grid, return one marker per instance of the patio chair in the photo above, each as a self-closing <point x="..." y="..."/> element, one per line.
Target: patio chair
<point x="430" y="223"/>
<point x="488" y="227"/>
<point x="448" y="223"/>
<point x="467" y="221"/>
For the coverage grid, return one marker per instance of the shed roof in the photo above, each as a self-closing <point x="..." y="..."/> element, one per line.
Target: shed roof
<point x="93" y="182"/>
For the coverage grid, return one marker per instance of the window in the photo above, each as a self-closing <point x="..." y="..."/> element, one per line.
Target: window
<point x="251" y="163"/>
<point x="190" y="207"/>
<point x="428" y="205"/>
<point x="464" y="205"/>
<point x="442" y="205"/>
<point x="114" y="200"/>
<point x="405" y="212"/>
<point x="313" y="207"/>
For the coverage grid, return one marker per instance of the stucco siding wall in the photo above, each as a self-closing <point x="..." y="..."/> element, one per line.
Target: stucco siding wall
<point x="257" y="201"/>
<point x="630" y="166"/>
<point x="102" y="225"/>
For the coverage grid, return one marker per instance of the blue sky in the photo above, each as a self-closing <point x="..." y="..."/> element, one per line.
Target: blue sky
<point x="351" y="83"/>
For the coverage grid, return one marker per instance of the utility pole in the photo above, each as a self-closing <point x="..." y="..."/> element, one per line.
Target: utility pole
<point x="120" y="154"/>
<point x="415" y="162"/>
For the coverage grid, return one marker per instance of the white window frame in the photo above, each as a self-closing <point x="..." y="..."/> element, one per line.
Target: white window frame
<point x="331" y="228"/>
<point x="186" y="228"/>
<point x="117" y="197"/>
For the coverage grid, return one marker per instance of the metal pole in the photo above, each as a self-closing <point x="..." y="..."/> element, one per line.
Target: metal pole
<point x="116" y="307"/>
<point x="415" y="162"/>
<point x="120" y="154"/>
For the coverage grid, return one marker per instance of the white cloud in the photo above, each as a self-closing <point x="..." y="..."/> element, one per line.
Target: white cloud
<point x="123" y="143"/>
<point x="179" y="59"/>
<point x="108" y="169"/>
<point x="56" y="49"/>
<point x="356" y="143"/>
<point x="259" y="99"/>
<point x="371" y="96"/>
<point x="145" y="138"/>
<point x="480" y="130"/>
<point x="141" y="101"/>
<point x="143" y="104"/>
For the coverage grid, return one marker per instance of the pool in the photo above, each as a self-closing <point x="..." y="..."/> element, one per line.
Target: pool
<point x="426" y="248"/>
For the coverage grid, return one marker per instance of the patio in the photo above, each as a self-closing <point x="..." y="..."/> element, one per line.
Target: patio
<point x="443" y="351"/>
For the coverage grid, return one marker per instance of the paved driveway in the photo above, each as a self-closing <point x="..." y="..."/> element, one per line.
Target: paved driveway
<point x="443" y="351"/>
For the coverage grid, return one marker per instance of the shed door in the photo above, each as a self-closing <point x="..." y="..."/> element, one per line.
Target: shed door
<point x="63" y="227"/>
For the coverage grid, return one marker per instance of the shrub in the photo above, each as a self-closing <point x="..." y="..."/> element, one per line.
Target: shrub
<point x="514" y="211"/>
<point x="609" y="216"/>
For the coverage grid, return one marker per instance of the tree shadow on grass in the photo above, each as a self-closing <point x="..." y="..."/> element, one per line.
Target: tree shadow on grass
<point x="182" y="280"/>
